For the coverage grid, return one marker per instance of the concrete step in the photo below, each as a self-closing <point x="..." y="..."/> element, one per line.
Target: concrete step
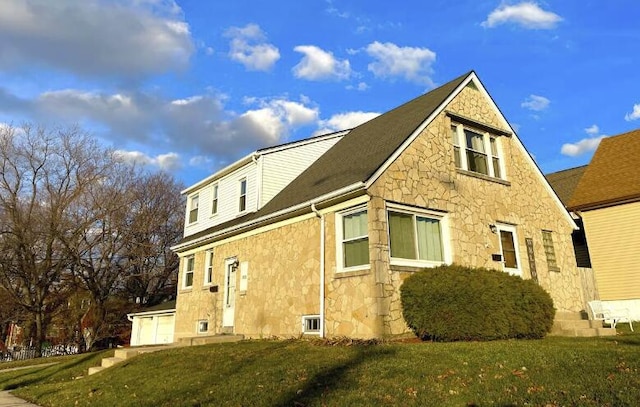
<point x="570" y="316"/>
<point x="203" y="340"/>
<point x="577" y="324"/>
<point x="96" y="369"/>
<point x="108" y="362"/>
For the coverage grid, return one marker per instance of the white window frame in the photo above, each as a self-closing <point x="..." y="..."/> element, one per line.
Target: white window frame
<point x="488" y="151"/>
<point x="194" y="205"/>
<point x="188" y="260"/>
<point x="242" y="198"/>
<point x="306" y="318"/>
<point x="340" y="239"/>
<point x="208" y="267"/>
<point x="215" y="201"/>
<point x="200" y="324"/>
<point x="447" y="252"/>
<point x="517" y="271"/>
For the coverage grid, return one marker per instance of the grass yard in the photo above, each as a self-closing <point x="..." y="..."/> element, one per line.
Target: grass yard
<point x="550" y="372"/>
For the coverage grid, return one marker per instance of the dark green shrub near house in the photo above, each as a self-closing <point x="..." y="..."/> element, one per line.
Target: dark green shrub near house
<point x="455" y="303"/>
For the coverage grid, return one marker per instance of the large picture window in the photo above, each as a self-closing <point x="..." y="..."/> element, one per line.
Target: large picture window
<point x="476" y="151"/>
<point x="353" y="239"/>
<point x="413" y="236"/>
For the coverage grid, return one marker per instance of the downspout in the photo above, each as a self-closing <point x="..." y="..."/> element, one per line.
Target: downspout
<point x="322" y="250"/>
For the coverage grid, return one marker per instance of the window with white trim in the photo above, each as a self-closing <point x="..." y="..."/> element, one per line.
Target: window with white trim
<point x="214" y="199"/>
<point x="352" y="232"/>
<point x="549" y="250"/>
<point x="311" y="324"/>
<point x="189" y="266"/>
<point x="203" y="326"/>
<point x="208" y="267"/>
<point x="476" y="151"/>
<point x="415" y="236"/>
<point x="242" y="204"/>
<point x="193" y="208"/>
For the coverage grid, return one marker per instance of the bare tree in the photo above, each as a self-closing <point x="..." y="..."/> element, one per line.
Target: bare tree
<point x="44" y="178"/>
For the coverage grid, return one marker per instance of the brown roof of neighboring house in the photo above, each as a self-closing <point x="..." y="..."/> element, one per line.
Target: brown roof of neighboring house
<point x="565" y="182"/>
<point x="613" y="176"/>
<point x="355" y="158"/>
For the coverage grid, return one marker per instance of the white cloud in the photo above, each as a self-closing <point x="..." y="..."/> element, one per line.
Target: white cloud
<point x="536" y="103"/>
<point x="527" y="14"/>
<point x="586" y="144"/>
<point x="413" y="64"/>
<point x="344" y="121"/>
<point x="317" y="64"/>
<point x="165" y="162"/>
<point x="592" y="130"/>
<point x="94" y="38"/>
<point x="634" y="115"/>
<point x="361" y="86"/>
<point x="248" y="46"/>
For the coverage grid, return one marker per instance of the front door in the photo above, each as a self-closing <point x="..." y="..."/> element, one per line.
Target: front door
<point x="509" y="249"/>
<point x="229" y="300"/>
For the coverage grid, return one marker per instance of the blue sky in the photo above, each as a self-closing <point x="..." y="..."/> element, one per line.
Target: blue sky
<point x="188" y="86"/>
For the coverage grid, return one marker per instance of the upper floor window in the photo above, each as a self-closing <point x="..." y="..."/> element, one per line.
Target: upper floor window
<point x="549" y="251"/>
<point x="242" y="205"/>
<point x="193" y="208"/>
<point x="353" y="238"/>
<point x="476" y="151"/>
<point x="189" y="266"/>
<point x="214" y="199"/>
<point x="208" y="267"/>
<point x="415" y="236"/>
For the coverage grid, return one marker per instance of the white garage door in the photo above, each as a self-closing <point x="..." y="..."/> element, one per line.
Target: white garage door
<point x="165" y="329"/>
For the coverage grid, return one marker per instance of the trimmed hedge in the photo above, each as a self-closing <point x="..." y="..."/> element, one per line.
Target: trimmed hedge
<point x="456" y="303"/>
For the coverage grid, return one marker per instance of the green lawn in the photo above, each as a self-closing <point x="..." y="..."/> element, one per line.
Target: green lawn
<point x="549" y="372"/>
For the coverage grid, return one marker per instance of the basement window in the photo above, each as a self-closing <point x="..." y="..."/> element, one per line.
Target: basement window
<point x="203" y="326"/>
<point x="311" y="324"/>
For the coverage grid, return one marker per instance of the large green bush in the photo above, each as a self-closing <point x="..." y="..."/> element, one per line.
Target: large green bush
<point x="455" y="303"/>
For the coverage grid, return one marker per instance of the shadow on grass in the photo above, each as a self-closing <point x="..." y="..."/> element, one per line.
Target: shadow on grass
<point x="324" y="382"/>
<point x="43" y="374"/>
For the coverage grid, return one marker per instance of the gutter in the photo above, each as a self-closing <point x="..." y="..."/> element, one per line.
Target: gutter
<point x="334" y="194"/>
<point x="322" y="277"/>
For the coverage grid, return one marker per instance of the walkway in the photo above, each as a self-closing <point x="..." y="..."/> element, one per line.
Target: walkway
<point x="9" y="400"/>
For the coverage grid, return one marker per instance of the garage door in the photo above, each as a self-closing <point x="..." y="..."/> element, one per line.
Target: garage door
<point x="165" y="329"/>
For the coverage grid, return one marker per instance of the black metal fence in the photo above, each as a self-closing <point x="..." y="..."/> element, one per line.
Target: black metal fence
<point x="29" y="352"/>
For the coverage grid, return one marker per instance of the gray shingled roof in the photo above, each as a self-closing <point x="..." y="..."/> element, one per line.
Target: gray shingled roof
<point x="353" y="159"/>
<point x="565" y="182"/>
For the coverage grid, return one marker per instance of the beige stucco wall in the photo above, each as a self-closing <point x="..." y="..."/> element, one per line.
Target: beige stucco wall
<point x="614" y="246"/>
<point x="425" y="176"/>
<point x="284" y="259"/>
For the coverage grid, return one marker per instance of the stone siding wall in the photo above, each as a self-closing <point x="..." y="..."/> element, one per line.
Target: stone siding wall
<point x="425" y="176"/>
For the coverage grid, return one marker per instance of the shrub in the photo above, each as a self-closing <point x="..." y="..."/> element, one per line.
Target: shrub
<point x="456" y="303"/>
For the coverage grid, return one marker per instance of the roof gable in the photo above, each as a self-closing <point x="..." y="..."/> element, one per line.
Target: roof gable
<point x="373" y="143"/>
<point x="612" y="175"/>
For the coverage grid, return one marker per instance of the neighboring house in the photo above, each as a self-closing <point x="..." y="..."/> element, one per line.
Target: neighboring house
<point x="607" y="199"/>
<point x="440" y="179"/>
<point x="564" y="183"/>
<point x="153" y="325"/>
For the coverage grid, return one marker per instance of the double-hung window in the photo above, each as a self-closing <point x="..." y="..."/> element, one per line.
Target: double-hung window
<point x="476" y="151"/>
<point x="549" y="251"/>
<point x="208" y="267"/>
<point x="353" y="239"/>
<point x="416" y="237"/>
<point x="189" y="266"/>
<point x="214" y="199"/>
<point x="193" y="208"/>
<point x="242" y="204"/>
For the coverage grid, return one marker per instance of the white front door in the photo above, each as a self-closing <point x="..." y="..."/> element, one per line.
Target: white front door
<point x="509" y="249"/>
<point x="229" y="299"/>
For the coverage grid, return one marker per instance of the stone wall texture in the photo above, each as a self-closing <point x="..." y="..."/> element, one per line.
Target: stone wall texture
<point x="284" y="263"/>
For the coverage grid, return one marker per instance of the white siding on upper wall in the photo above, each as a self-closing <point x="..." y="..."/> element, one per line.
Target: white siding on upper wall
<point x="228" y="199"/>
<point x="281" y="167"/>
<point x="613" y="236"/>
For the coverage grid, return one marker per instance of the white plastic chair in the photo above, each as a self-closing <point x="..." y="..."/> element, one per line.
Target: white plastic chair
<point x="600" y="312"/>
